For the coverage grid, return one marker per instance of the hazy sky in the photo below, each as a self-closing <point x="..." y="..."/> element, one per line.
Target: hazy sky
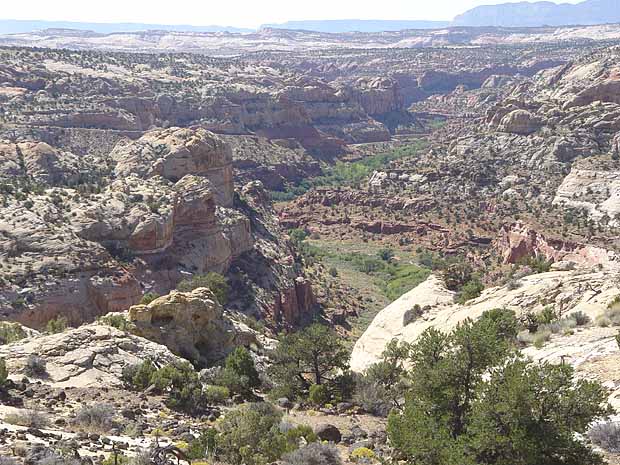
<point x="242" y="13"/>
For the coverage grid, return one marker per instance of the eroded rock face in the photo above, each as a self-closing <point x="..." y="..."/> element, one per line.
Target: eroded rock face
<point x="589" y="291"/>
<point x="190" y="324"/>
<point x="92" y="355"/>
<point x="518" y="241"/>
<point x="81" y="255"/>
<point x="175" y="152"/>
<point x="606" y="91"/>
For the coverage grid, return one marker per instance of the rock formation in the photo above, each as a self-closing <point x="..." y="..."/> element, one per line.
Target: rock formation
<point x="191" y="324"/>
<point x="169" y="212"/>
<point x="589" y="291"/>
<point x="92" y="355"/>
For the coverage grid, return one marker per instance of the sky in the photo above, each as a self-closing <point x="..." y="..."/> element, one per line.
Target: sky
<point x="239" y="13"/>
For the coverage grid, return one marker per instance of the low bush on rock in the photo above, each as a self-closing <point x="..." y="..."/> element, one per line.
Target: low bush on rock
<point x="213" y="281"/>
<point x="35" y="366"/>
<point x="97" y="417"/>
<point x="606" y="436"/>
<point x="313" y="454"/>
<point x="11" y="332"/>
<point x="117" y="321"/>
<point x="56" y="325"/>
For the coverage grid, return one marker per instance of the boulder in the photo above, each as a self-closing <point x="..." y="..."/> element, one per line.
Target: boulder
<point x="328" y="432"/>
<point x="520" y="122"/>
<point x="191" y="324"/>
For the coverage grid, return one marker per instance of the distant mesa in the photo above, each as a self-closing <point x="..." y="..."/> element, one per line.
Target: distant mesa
<point x="525" y="14"/>
<point x="11" y="26"/>
<point x="356" y="25"/>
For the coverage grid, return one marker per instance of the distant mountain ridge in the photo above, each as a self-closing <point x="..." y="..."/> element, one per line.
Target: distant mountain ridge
<point x="524" y="14"/>
<point x="13" y="26"/>
<point x="356" y="25"/>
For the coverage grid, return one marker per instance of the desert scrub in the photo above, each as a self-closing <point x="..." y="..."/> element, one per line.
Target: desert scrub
<point x="35" y="366"/>
<point x="606" y="436"/>
<point x="116" y="320"/>
<point x="313" y="454"/>
<point x="11" y="332"/>
<point x="97" y="417"/>
<point x="611" y="315"/>
<point x="28" y="418"/>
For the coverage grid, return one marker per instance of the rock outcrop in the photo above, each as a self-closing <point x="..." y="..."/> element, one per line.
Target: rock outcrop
<point x="169" y="212"/>
<point x="518" y="241"/>
<point x="175" y="152"/>
<point x="92" y="355"/>
<point x="519" y="122"/>
<point x="191" y="324"/>
<point x="596" y="191"/>
<point x="589" y="291"/>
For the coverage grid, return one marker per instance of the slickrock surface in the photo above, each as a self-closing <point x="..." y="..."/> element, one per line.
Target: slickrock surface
<point x="584" y="290"/>
<point x="89" y="356"/>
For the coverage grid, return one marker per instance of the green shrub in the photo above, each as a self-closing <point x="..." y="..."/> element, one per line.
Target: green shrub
<point x="139" y="375"/>
<point x="547" y="315"/>
<point x="234" y="382"/>
<point x="293" y="435"/>
<point x="386" y="254"/>
<point x="241" y="362"/>
<point x="11" y="332"/>
<point x="56" y="325"/>
<point x="318" y="395"/>
<point x="250" y="435"/>
<point x="216" y="394"/>
<point x="471" y="290"/>
<point x="204" y="446"/>
<point x="148" y="298"/>
<point x="117" y="321"/>
<point x="472" y="399"/>
<point x="4" y="373"/>
<point x="213" y="281"/>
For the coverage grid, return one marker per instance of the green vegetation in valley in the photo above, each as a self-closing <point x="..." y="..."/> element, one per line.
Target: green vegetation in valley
<point x="350" y="173"/>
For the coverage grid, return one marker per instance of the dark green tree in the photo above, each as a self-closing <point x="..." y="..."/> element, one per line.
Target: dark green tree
<point x="474" y="400"/>
<point x="240" y="362"/>
<point x="315" y="355"/>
